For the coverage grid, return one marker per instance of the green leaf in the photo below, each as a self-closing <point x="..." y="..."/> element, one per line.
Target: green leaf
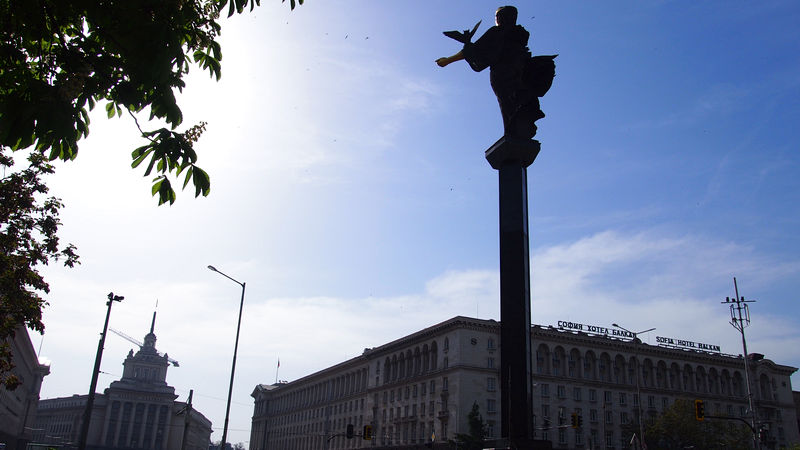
<point x="188" y="177"/>
<point x="202" y="183"/>
<point x="110" y="111"/>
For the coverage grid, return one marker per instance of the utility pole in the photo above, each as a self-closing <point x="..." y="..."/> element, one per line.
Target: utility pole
<point x="740" y="319"/>
<point x="87" y="413"/>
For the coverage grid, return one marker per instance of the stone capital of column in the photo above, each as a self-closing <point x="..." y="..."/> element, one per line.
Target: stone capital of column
<point x="512" y="151"/>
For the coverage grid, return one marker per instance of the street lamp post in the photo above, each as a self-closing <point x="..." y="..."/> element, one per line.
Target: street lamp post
<point x="87" y="413"/>
<point x="233" y="364"/>
<point x="638" y="374"/>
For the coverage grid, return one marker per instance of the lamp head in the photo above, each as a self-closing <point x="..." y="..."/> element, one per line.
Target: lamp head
<point x="213" y="268"/>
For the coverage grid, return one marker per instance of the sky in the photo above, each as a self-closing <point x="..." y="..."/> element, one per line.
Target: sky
<point x="351" y="194"/>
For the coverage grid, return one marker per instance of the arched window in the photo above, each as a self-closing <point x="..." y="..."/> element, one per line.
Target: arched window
<point x="589" y="366"/>
<point x="434" y="356"/>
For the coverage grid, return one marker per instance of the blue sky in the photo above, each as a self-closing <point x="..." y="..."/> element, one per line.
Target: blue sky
<point x="350" y="191"/>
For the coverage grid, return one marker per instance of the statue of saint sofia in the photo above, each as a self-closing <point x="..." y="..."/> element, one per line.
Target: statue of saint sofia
<point x="518" y="80"/>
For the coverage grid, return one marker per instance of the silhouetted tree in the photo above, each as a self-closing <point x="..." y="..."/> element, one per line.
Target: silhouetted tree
<point x="58" y="59"/>
<point x="477" y="431"/>
<point x="677" y="428"/>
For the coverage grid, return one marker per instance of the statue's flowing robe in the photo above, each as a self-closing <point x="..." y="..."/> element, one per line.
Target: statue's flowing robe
<point x="505" y="51"/>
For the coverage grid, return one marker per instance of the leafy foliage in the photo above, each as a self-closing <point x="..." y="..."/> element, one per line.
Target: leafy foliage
<point x="58" y="60"/>
<point x="677" y="428"/>
<point x="477" y="431"/>
<point x="28" y="239"/>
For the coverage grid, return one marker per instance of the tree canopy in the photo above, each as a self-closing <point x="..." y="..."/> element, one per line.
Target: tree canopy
<point x="677" y="428"/>
<point x="58" y="60"/>
<point x="473" y="440"/>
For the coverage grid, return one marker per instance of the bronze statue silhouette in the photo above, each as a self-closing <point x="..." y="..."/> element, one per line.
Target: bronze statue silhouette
<point x="517" y="78"/>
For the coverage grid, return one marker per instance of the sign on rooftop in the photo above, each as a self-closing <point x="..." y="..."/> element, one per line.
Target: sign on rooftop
<point x="661" y="340"/>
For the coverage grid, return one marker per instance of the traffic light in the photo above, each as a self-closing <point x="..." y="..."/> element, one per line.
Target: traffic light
<point x="574" y="420"/>
<point x="699" y="410"/>
<point x="367" y="433"/>
<point x="349" y="431"/>
<point x="580" y="421"/>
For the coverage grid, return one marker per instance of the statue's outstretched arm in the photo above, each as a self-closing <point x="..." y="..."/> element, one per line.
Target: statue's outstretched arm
<point x="449" y="59"/>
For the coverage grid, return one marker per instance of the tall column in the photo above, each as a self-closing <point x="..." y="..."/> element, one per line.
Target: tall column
<point x="511" y="158"/>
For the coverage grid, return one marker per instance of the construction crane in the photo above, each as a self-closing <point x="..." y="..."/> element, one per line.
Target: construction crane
<point x="140" y="344"/>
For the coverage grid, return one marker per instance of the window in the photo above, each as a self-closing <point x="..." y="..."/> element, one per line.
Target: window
<point x="491" y="405"/>
<point x="623" y="417"/>
<point x="592" y="395"/>
<point x="651" y="401"/>
<point x="444" y="383"/>
<point x="491" y="384"/>
<point x="490" y="429"/>
<point x="635" y="399"/>
<point x="593" y="415"/>
<point x="446" y="362"/>
<point x="391" y="395"/>
<point x="545" y="411"/>
<point x="490" y="343"/>
<point x="607" y="396"/>
<point x="433" y="386"/>
<point x="414" y="391"/>
<point x="423" y="387"/>
<point x="490" y="362"/>
<point x="609" y="417"/>
<point x="562" y="415"/>
<point x="576" y="394"/>
<point x="578" y="437"/>
<point x="665" y="403"/>
<point x="562" y="436"/>
<point x="562" y="391"/>
<point x="408" y="392"/>
<point x="622" y="398"/>
<point x="430" y="408"/>
<point x="446" y="344"/>
<point x="422" y="409"/>
<point x="545" y="388"/>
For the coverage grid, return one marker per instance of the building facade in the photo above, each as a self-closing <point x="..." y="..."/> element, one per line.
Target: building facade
<point x="421" y="388"/>
<point x="138" y="411"/>
<point x="18" y="407"/>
